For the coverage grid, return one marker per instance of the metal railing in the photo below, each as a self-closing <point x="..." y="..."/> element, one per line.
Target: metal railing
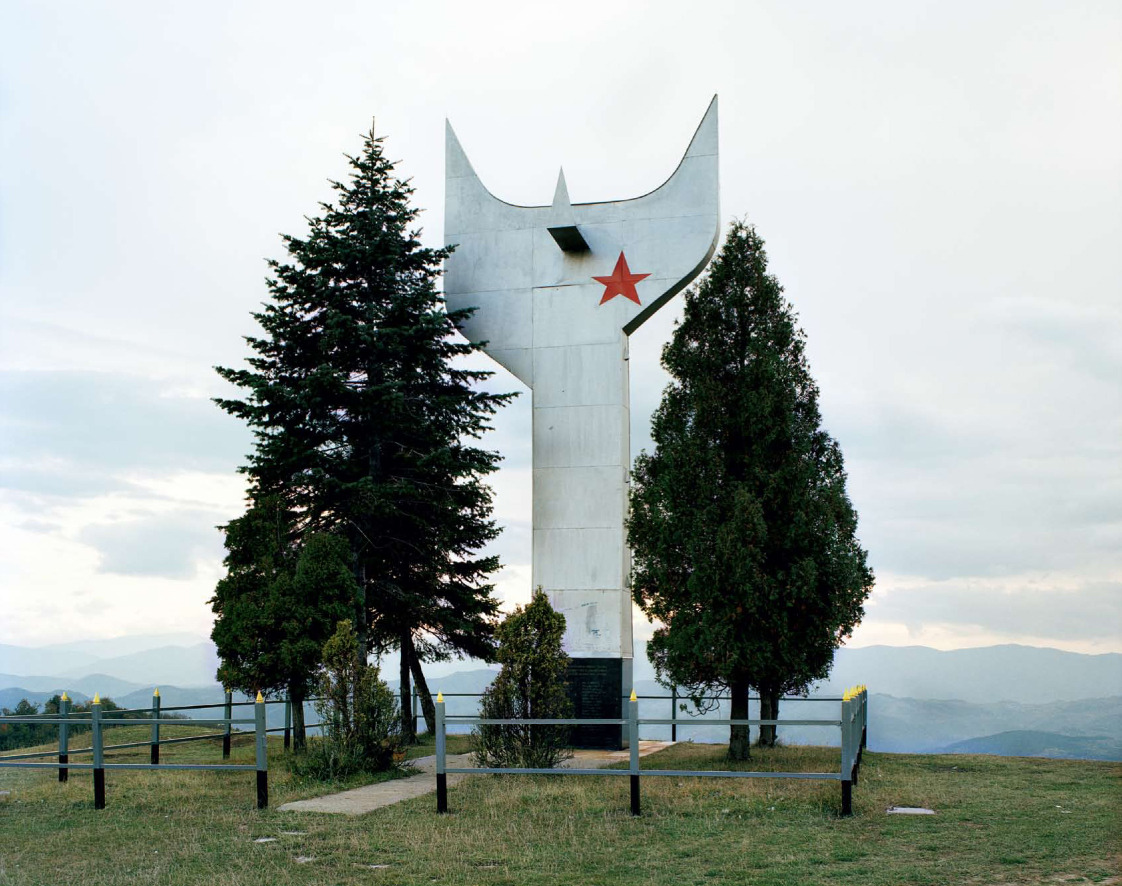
<point x="97" y="721"/>
<point x="853" y="724"/>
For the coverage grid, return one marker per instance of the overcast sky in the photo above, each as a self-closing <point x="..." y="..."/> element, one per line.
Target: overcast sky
<point x="939" y="186"/>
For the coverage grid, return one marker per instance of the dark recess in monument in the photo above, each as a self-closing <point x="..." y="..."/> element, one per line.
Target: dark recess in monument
<point x="569" y="238"/>
<point x="596" y="688"/>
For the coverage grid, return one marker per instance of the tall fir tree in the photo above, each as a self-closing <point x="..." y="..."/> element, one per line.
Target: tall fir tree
<point x="744" y="538"/>
<point x="364" y="419"/>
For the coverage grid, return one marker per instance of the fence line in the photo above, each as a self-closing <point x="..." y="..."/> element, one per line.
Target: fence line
<point x="98" y="748"/>
<point x="853" y="725"/>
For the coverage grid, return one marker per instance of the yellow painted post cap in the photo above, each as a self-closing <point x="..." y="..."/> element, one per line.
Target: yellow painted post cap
<point x="97" y="698"/>
<point x="260" y="697"/>
<point x="64" y="696"/>
<point x="634" y="697"/>
<point x="440" y="698"/>
<point x="156" y="692"/>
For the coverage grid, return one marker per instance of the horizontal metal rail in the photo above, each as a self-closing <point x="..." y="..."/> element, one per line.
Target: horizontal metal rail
<point x="681" y="773"/>
<point x="643" y="721"/>
<point x="502" y="770"/>
<point x="217" y="721"/>
<point x="217" y="767"/>
<point x="48" y="765"/>
<point x="666" y="722"/>
<point x="482" y="721"/>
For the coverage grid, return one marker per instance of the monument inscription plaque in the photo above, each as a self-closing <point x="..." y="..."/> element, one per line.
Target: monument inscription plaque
<point x="557" y="290"/>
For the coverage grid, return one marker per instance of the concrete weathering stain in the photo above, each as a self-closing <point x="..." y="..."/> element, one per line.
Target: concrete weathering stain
<point x="557" y="290"/>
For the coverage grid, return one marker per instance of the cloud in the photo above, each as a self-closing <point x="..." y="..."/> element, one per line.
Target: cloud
<point x="76" y="433"/>
<point x="167" y="546"/>
<point x="1063" y="609"/>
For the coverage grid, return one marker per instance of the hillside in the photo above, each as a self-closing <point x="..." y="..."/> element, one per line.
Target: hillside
<point x="1030" y="743"/>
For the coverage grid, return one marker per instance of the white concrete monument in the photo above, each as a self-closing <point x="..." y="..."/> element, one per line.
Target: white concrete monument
<point x="557" y="290"/>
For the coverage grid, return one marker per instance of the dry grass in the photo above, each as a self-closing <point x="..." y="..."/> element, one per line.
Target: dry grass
<point x="999" y="821"/>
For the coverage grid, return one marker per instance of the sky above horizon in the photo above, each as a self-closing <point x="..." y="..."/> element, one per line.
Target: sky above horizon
<point x="939" y="186"/>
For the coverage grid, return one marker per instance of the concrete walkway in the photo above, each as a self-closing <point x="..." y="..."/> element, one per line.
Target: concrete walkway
<point x="359" y="801"/>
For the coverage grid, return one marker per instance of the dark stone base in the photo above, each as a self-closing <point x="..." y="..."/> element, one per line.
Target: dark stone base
<point x="599" y="688"/>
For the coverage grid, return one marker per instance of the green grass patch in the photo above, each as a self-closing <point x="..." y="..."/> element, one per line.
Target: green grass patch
<point x="999" y="820"/>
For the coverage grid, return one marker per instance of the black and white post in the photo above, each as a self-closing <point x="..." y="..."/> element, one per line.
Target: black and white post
<point x="441" y="774"/>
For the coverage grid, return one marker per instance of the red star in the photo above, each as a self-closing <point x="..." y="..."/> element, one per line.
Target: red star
<point x="622" y="282"/>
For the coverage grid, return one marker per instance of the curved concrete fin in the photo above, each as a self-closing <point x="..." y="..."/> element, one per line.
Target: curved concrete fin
<point x="456" y="163"/>
<point x="704" y="141"/>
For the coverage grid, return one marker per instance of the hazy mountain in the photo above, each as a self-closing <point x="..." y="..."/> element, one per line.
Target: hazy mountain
<point x="1029" y="743"/>
<point x="1024" y="674"/>
<point x="9" y="698"/>
<point x="992" y="673"/>
<point x="180" y="665"/>
<point x="79" y="656"/>
<point x="922" y="700"/>
<point x="111" y="687"/>
<point x="925" y="725"/>
<point x="25" y="661"/>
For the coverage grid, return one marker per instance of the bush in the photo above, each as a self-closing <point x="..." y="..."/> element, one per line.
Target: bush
<point x="361" y="726"/>
<point x="530" y="685"/>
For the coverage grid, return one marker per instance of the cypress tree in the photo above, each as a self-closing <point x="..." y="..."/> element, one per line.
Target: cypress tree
<point x="364" y="420"/>
<point x="744" y="538"/>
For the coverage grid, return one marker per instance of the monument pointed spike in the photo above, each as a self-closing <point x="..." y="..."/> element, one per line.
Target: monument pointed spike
<point x="561" y="199"/>
<point x="563" y="221"/>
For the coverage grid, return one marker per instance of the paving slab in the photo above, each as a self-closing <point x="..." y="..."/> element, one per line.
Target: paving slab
<point x="359" y="801"/>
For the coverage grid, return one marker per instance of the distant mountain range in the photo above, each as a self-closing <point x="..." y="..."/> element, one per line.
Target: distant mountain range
<point x="1032" y="743"/>
<point x="996" y="699"/>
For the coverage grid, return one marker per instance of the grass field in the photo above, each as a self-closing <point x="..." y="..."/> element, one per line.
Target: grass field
<point x="1000" y="820"/>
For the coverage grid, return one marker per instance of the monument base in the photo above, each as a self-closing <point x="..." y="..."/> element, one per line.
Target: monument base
<point x="599" y="689"/>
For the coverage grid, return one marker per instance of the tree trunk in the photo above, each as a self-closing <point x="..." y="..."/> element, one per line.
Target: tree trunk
<point x="769" y="710"/>
<point x="740" y="739"/>
<point x="428" y="708"/>
<point x="299" y="732"/>
<point x="360" y="600"/>
<point x="408" y="732"/>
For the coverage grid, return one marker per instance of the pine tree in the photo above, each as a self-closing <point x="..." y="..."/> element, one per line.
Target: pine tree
<point x="278" y="604"/>
<point x="364" y="420"/>
<point x="742" y="532"/>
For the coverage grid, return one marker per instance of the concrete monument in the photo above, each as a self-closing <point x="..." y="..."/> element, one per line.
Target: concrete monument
<point x="557" y="290"/>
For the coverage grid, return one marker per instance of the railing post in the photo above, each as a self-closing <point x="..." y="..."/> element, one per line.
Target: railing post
<point x="674" y="712"/>
<point x="441" y="775"/>
<point x="633" y="733"/>
<point x="227" y="712"/>
<point x="846" y="755"/>
<point x="864" y="717"/>
<point x="63" y="738"/>
<point x="154" y="753"/>
<point x="98" y="753"/>
<point x="261" y="751"/>
<point x="287" y="721"/>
